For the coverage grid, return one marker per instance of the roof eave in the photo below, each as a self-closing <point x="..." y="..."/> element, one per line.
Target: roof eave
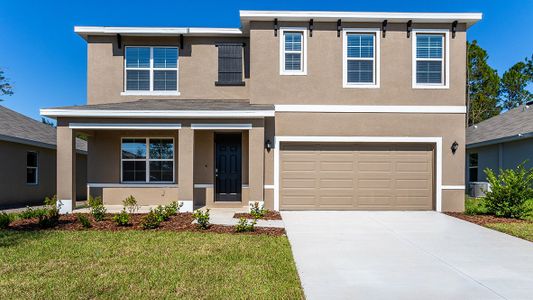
<point x="85" y="31"/>
<point x="505" y="139"/>
<point x="93" y="113"/>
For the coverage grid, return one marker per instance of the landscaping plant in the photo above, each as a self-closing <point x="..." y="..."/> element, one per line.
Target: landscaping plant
<point x="245" y="226"/>
<point x="31" y="213"/>
<point x="98" y="209"/>
<point x="202" y="218"/>
<point x="475" y="206"/>
<point x="510" y="192"/>
<point x="84" y="221"/>
<point x="5" y="219"/>
<point x="173" y="208"/>
<point x="51" y="218"/>
<point x="130" y="204"/>
<point x="122" y="218"/>
<point x="151" y="220"/>
<point x="258" y="211"/>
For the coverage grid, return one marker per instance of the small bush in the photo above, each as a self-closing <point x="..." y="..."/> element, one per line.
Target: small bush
<point x="51" y="218"/>
<point x="122" y="218"/>
<point x="5" y="219"/>
<point x="31" y="213"/>
<point x="475" y="206"/>
<point x="202" y="218"/>
<point x="510" y="191"/>
<point x="160" y="213"/>
<point x="245" y="226"/>
<point x="84" y="221"/>
<point x="257" y="211"/>
<point x="98" y="209"/>
<point x="130" y="204"/>
<point x="150" y="221"/>
<point x="173" y="208"/>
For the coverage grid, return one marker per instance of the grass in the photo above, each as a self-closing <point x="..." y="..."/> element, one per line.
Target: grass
<point x="145" y="264"/>
<point x="521" y="230"/>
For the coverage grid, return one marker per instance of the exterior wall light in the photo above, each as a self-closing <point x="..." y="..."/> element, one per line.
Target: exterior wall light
<point x="454" y="147"/>
<point x="268" y="145"/>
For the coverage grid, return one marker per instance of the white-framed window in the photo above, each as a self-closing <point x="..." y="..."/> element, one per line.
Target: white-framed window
<point x="293" y="51"/>
<point x="149" y="160"/>
<point x="151" y="70"/>
<point x="32" y="167"/>
<point x="361" y="49"/>
<point x="431" y="59"/>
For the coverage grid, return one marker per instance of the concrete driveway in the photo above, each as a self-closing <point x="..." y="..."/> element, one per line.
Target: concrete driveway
<point x="406" y="255"/>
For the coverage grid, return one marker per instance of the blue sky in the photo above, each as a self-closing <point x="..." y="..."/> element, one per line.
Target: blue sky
<point x="46" y="61"/>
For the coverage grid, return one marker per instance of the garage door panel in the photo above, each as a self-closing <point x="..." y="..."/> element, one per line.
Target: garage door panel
<point x="375" y="166"/>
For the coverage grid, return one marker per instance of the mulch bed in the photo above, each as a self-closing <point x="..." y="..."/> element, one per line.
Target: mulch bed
<point x="270" y="215"/>
<point x="180" y="222"/>
<point x="484" y="219"/>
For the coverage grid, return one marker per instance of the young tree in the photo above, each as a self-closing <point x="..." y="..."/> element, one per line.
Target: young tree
<point x="514" y="84"/>
<point x="5" y="88"/>
<point x="484" y="85"/>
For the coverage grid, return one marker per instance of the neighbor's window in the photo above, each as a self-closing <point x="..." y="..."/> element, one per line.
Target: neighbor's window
<point x="293" y="47"/>
<point x="147" y="160"/>
<point x="151" y="69"/>
<point x="230" y="64"/>
<point x="472" y="167"/>
<point x="430" y="60"/>
<point x="360" y="65"/>
<point x="32" y="167"/>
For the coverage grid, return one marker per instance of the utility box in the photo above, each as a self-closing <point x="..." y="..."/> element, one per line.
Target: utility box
<point x="478" y="189"/>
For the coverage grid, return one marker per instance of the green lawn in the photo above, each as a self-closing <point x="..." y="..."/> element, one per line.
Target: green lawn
<point x="145" y="264"/>
<point x="521" y="230"/>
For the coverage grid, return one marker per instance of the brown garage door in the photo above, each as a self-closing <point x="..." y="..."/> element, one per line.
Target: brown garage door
<point x="356" y="177"/>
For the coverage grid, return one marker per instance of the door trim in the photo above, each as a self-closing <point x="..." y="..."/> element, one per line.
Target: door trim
<point x="437" y="141"/>
<point x="215" y="194"/>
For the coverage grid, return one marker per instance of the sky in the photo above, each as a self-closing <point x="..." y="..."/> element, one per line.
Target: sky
<point x="46" y="61"/>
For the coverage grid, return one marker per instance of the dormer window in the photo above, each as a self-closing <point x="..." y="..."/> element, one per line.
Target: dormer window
<point x="151" y="71"/>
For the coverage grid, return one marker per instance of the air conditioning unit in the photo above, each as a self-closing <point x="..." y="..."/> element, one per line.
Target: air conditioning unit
<point x="478" y="189"/>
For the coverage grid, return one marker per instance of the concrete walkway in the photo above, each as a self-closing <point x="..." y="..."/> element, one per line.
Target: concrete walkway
<point x="406" y="255"/>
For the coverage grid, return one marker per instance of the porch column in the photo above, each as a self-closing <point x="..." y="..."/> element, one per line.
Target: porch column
<point x="186" y="167"/>
<point x="256" y="142"/>
<point x="66" y="169"/>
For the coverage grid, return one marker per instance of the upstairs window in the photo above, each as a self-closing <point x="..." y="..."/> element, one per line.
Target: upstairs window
<point x="430" y="60"/>
<point x="32" y="167"/>
<point x="148" y="160"/>
<point x="230" y="64"/>
<point x="151" y="70"/>
<point x="293" y="58"/>
<point x="473" y="167"/>
<point x="361" y="58"/>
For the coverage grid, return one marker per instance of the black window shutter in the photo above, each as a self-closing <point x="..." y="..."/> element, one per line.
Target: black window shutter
<point x="230" y="64"/>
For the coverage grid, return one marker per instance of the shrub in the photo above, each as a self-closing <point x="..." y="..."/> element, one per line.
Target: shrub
<point x="5" y="219"/>
<point x="173" y="208"/>
<point x="475" y="206"/>
<point x="84" y="221"/>
<point x="51" y="218"/>
<point x="31" y="213"/>
<point x="202" y="218"/>
<point x="160" y="213"/>
<point x="245" y="226"/>
<point x="258" y="211"/>
<point x="122" y="218"/>
<point x="130" y="204"/>
<point x="98" y="209"/>
<point x="510" y="191"/>
<point x="150" y="221"/>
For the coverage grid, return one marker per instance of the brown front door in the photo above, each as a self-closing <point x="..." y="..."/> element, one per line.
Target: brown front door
<point x="228" y="167"/>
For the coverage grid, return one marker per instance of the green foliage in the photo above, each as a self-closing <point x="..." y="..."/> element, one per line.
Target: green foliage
<point x="258" y="211"/>
<point x="245" y="226"/>
<point x="475" y="206"/>
<point x="31" y="213"/>
<point x="510" y="191"/>
<point x="483" y="85"/>
<point x="122" y="218"/>
<point x="173" y="208"/>
<point x="514" y="85"/>
<point x="130" y="204"/>
<point x="98" y="209"/>
<point x="51" y="217"/>
<point x="84" y="220"/>
<point x="202" y="218"/>
<point x="6" y="89"/>
<point x="5" y="219"/>
<point x="151" y="221"/>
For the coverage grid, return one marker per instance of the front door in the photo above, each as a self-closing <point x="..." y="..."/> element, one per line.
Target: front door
<point x="228" y="167"/>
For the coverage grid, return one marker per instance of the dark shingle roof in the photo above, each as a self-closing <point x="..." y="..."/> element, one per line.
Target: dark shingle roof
<point x="22" y="129"/>
<point x="515" y="123"/>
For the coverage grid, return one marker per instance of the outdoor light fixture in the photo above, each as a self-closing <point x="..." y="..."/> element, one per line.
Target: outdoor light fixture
<point x="454" y="147"/>
<point x="268" y="145"/>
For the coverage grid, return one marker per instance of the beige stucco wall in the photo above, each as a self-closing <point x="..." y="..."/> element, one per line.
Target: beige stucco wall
<point x="144" y="196"/>
<point x="323" y="82"/>
<point x="198" y="68"/>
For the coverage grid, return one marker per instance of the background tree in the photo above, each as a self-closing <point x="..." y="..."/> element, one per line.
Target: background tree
<point x="484" y="85"/>
<point x="514" y="84"/>
<point x="5" y="88"/>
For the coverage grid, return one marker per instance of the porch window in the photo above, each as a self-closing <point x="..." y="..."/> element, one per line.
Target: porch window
<point x="148" y="160"/>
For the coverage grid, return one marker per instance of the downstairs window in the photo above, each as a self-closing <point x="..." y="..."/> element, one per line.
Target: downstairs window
<point x="149" y="160"/>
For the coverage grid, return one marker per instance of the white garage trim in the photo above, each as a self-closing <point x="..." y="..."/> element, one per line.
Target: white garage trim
<point x="453" y="187"/>
<point x="361" y="139"/>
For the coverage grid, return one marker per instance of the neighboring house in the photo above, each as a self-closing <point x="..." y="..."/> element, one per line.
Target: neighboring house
<point x="28" y="161"/>
<point x="301" y="110"/>
<point x="501" y="142"/>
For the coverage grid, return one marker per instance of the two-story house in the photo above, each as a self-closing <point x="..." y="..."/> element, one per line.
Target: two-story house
<point x="299" y="110"/>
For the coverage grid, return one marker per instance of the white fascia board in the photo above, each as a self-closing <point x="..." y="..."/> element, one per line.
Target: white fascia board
<point x="154" y="31"/>
<point x="53" y="113"/>
<point x="111" y="126"/>
<point x="220" y="126"/>
<point x="333" y="16"/>
<point x="214" y="31"/>
<point x="372" y="109"/>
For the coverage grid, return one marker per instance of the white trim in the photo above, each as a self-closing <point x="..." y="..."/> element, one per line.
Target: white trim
<point x="445" y="65"/>
<point x="131" y="185"/>
<point x="64" y="205"/>
<point x="453" y="187"/>
<point x="375" y="59"/>
<point x="220" y="126"/>
<point x="203" y="185"/>
<point x="147" y="161"/>
<point x="303" y="51"/>
<point x="268" y="187"/>
<point x="129" y="126"/>
<point x="186" y="205"/>
<point x="361" y="139"/>
<point x="432" y="109"/>
<point x="157" y="113"/>
<point x="154" y="31"/>
<point x="150" y="93"/>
